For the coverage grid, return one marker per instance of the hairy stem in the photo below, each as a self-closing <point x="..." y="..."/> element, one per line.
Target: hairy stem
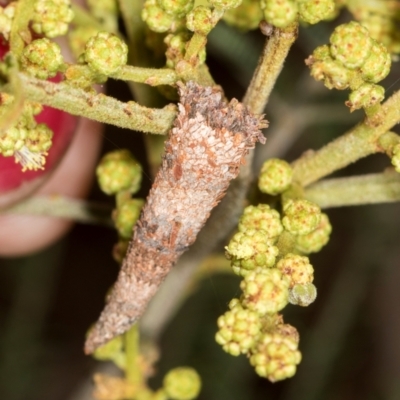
<point x="356" y="190"/>
<point x="359" y="142"/>
<point x="63" y="207"/>
<point x="97" y="106"/>
<point x="271" y="62"/>
<point x="150" y="76"/>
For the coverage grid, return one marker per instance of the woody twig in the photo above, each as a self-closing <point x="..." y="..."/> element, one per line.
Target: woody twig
<point x="205" y="149"/>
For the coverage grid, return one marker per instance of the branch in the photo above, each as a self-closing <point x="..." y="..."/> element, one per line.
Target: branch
<point x="205" y="149"/>
<point x="63" y="207"/>
<point x="357" y="190"/>
<point x="359" y="142"/>
<point x="97" y="106"/>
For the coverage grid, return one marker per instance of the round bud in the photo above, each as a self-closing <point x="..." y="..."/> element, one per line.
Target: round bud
<point x="12" y="140"/>
<point x="265" y="291"/>
<point x="182" y="384"/>
<point x="39" y="139"/>
<point x="297" y="268"/>
<point x="200" y="20"/>
<point x="365" y="96"/>
<point x="156" y="18"/>
<point x="315" y="240"/>
<point x="302" y="294"/>
<point x="351" y="44"/>
<point x="332" y="73"/>
<point x="52" y="17"/>
<point x="118" y="171"/>
<point x="42" y="58"/>
<point x="314" y="11"/>
<point x="262" y="217"/>
<point x="225" y="4"/>
<point x="275" y="176"/>
<point x="245" y="17"/>
<point x="301" y="216"/>
<point x="177" y="8"/>
<point x="238" y="329"/>
<point x="377" y="66"/>
<point x="280" y="13"/>
<point x="275" y="356"/>
<point x="106" y="53"/>
<point x="126" y="216"/>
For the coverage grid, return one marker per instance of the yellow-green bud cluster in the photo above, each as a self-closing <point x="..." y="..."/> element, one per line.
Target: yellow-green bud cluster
<point x="246" y="16"/>
<point x="276" y="356"/>
<point x="6" y="16"/>
<point x="297" y="268"/>
<point x="42" y="58"/>
<point x="126" y="215"/>
<point x="52" y="17"/>
<point x="238" y="329"/>
<point x="26" y="140"/>
<point x="265" y="291"/>
<point x="118" y="171"/>
<point x="314" y="241"/>
<point x="275" y="176"/>
<point x="249" y="250"/>
<point x="200" y="20"/>
<point x="279" y="13"/>
<point x="314" y="11"/>
<point x="182" y="383"/>
<point x="301" y="216"/>
<point x="353" y="59"/>
<point x="176" y="47"/>
<point x="106" y="53"/>
<point x="160" y="20"/>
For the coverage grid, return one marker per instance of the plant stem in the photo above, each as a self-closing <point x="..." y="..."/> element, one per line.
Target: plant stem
<point x="63" y="207"/>
<point x="359" y="142"/>
<point x="20" y="33"/>
<point x="357" y="190"/>
<point x="150" y="76"/>
<point x="269" y="67"/>
<point x="133" y="371"/>
<point x="85" y="19"/>
<point x="97" y="106"/>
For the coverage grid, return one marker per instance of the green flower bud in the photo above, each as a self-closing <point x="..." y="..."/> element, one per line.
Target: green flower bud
<point x="351" y="44"/>
<point x="377" y="66"/>
<point x="275" y="356"/>
<point x="176" y="47"/>
<point x="331" y="72"/>
<point x="225" y="4"/>
<point x="396" y="157"/>
<point x="315" y="240"/>
<point x="51" y="17"/>
<point x="250" y="250"/>
<point x="280" y="13"/>
<point x="42" y="58"/>
<point x="156" y="18"/>
<point x="39" y="139"/>
<point x="275" y="176"/>
<point x="264" y="218"/>
<point x="301" y="216"/>
<point x="200" y="20"/>
<point x="113" y="351"/>
<point x="177" y="8"/>
<point x="297" y="268"/>
<point x="106" y="53"/>
<point x="6" y="16"/>
<point x="245" y="17"/>
<point x="302" y="294"/>
<point x="365" y="96"/>
<point x="118" y="171"/>
<point x="238" y="329"/>
<point x="182" y="383"/>
<point x="314" y="11"/>
<point x="265" y="291"/>
<point x="12" y="140"/>
<point x="126" y="216"/>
